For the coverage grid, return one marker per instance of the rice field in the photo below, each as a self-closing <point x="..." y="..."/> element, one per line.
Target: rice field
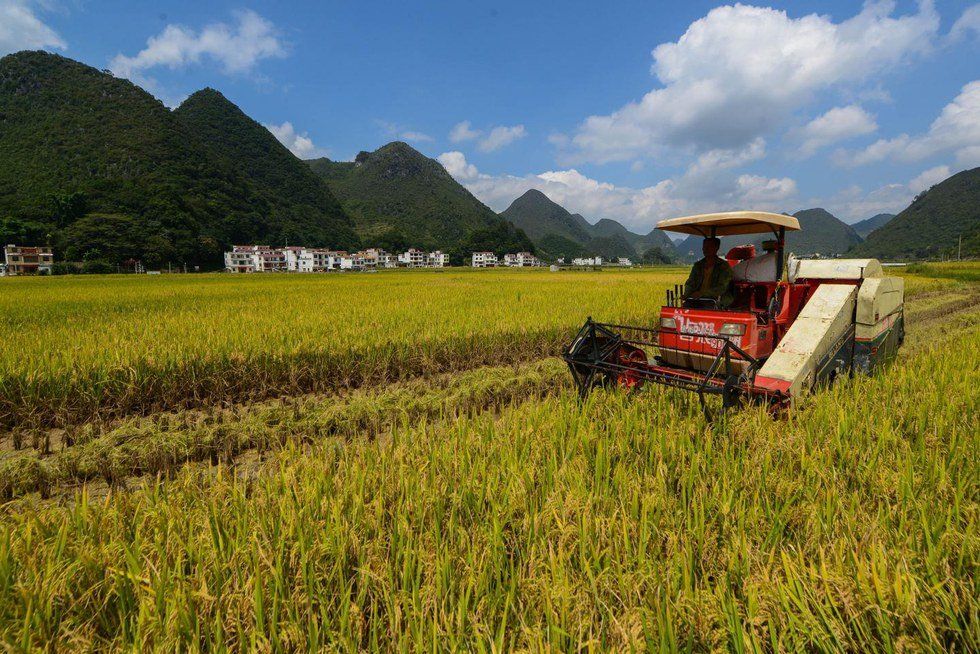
<point x="398" y="462"/>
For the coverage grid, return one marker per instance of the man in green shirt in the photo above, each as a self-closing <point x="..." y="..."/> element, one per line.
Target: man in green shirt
<point x="710" y="279"/>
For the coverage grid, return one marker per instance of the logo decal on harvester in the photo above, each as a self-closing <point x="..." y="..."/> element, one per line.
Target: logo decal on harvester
<point x="695" y="331"/>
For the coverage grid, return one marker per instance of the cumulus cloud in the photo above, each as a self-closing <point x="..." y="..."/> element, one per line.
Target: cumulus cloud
<point x="966" y="25"/>
<point x="236" y="48"/>
<point x="501" y="136"/>
<point x="834" y="126"/>
<point x="853" y="203"/>
<point x="701" y="188"/>
<point x="394" y="131"/>
<point x="740" y="71"/>
<point x="463" y="131"/>
<point x="455" y="164"/>
<point x="21" y="29"/>
<point x="955" y="130"/>
<point x="928" y="178"/>
<point x="298" y="143"/>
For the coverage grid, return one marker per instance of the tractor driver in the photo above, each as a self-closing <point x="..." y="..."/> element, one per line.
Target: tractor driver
<point x="710" y="282"/>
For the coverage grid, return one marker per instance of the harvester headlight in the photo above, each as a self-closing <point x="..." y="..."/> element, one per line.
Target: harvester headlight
<point x="732" y="329"/>
<point x="668" y="323"/>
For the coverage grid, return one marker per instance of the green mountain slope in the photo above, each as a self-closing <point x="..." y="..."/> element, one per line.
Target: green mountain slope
<point x="397" y="196"/>
<point x="301" y="207"/>
<point x="538" y="216"/>
<point x="821" y="233"/>
<point x="103" y="171"/>
<point x="558" y="233"/>
<point x="868" y="225"/>
<point x="639" y="242"/>
<point x="933" y="224"/>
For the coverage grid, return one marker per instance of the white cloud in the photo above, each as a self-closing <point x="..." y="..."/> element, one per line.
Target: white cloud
<point x="955" y="130"/>
<point x="21" y="29"/>
<point x="298" y="143"/>
<point x="966" y="24"/>
<point x="837" y="124"/>
<point x="415" y="136"/>
<point x="701" y="188"/>
<point x="395" y="131"/>
<point x="740" y="71"/>
<point x="716" y="160"/>
<point x="754" y="191"/>
<point x="463" y="132"/>
<point x="928" y="178"/>
<point x="455" y="164"/>
<point x="501" y="136"/>
<point x="237" y="48"/>
<point x="853" y="204"/>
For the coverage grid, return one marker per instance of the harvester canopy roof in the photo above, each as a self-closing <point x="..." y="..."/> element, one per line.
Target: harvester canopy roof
<point x="731" y="222"/>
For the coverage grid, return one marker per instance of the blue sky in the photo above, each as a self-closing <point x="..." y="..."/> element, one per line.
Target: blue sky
<point x="629" y="110"/>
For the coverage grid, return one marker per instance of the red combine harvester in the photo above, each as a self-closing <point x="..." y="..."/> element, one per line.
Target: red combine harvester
<point x="773" y="344"/>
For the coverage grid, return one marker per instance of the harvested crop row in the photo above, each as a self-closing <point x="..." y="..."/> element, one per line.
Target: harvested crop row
<point x="161" y="443"/>
<point x="621" y="523"/>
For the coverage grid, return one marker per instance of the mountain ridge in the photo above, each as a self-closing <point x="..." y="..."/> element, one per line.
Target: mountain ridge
<point x="398" y="197"/>
<point x="868" y="225"/>
<point x="560" y="233"/>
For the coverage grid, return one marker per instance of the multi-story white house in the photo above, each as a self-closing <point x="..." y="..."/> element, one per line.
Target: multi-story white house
<point x="240" y="260"/>
<point x="587" y="261"/>
<point x="412" y="259"/>
<point x="300" y="259"/>
<point x="626" y="263"/>
<point x="27" y="260"/>
<point x="377" y="258"/>
<point x="484" y="260"/>
<point x="263" y="258"/>
<point x="437" y="259"/>
<point x="255" y="258"/>
<point x="270" y="260"/>
<point x="521" y="260"/>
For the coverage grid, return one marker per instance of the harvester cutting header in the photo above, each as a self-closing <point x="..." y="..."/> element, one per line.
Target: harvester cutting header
<point x="738" y="330"/>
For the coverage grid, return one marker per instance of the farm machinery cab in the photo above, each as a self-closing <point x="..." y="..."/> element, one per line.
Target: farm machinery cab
<point x="773" y="344"/>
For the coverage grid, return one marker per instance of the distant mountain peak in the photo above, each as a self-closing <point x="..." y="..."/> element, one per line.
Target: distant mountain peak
<point x="560" y="233"/>
<point x="396" y="194"/>
<point x="400" y="160"/>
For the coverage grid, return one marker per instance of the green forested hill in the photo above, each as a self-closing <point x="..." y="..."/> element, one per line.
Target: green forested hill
<point x="559" y="233"/>
<point x="539" y="217"/>
<point x="301" y="207"/>
<point x="398" y="197"/>
<point x="79" y="146"/>
<point x="933" y="224"/>
<point x="655" y="238"/>
<point x="868" y="225"/>
<point x="821" y="233"/>
<point x="103" y="171"/>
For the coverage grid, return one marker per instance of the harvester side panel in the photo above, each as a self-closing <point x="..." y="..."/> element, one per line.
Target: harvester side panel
<point x="820" y="333"/>
<point x="880" y="324"/>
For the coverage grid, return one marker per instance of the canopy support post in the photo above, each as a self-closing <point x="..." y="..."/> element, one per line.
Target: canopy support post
<point x="780" y="241"/>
